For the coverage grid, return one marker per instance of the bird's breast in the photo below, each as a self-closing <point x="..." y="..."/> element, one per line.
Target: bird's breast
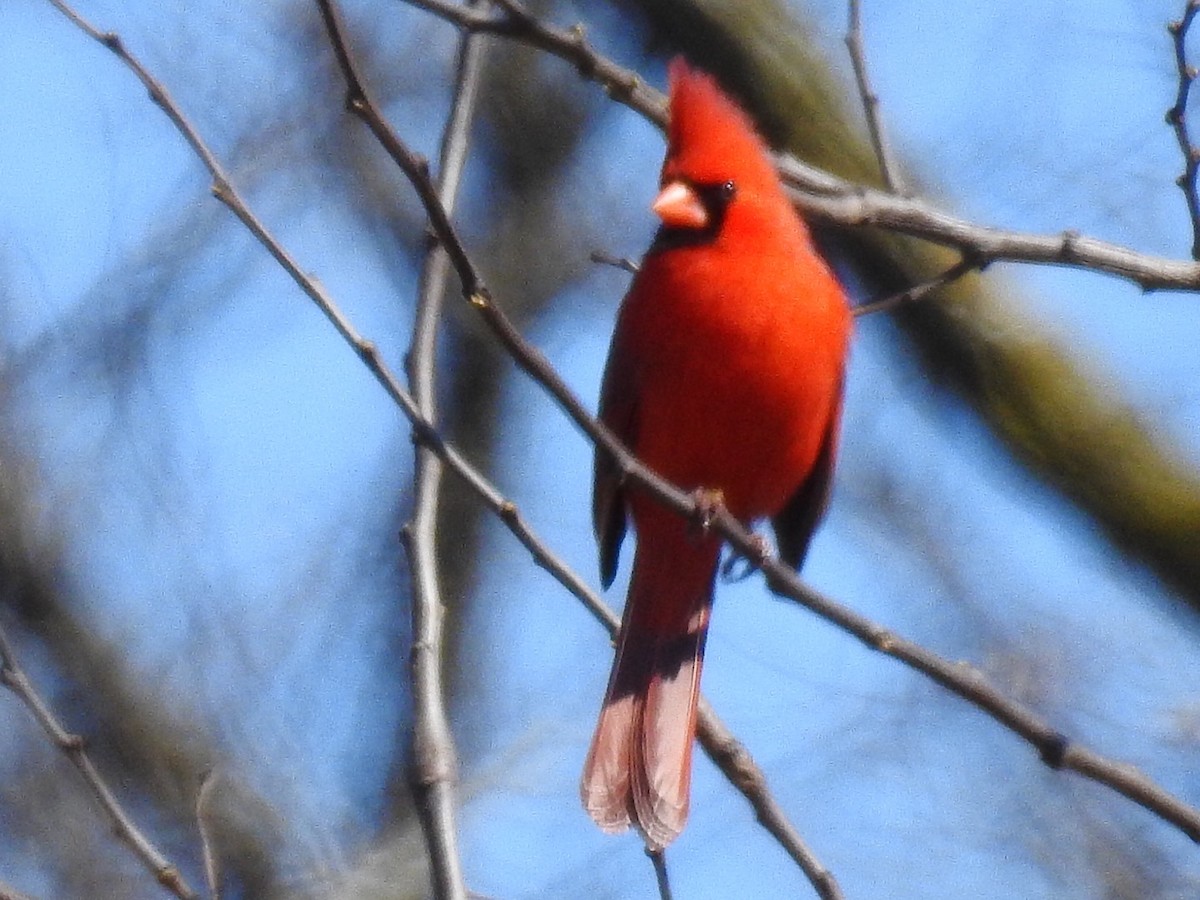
<point x="737" y="372"/>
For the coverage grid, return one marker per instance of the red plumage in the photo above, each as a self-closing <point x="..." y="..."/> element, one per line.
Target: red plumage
<point x="725" y="373"/>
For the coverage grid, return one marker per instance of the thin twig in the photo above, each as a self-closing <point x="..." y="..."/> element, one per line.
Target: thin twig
<point x="920" y="291"/>
<point x="658" y="859"/>
<point x="1177" y="119"/>
<point x="603" y="258"/>
<point x="870" y="101"/>
<point x="833" y="199"/>
<point x="208" y="854"/>
<point x="13" y="677"/>
<point x="736" y="763"/>
<point x="434" y="766"/>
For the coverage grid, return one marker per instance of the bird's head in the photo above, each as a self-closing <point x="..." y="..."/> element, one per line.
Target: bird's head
<point x="715" y="160"/>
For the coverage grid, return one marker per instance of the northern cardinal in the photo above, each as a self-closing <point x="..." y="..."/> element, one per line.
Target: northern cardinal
<point x="724" y="376"/>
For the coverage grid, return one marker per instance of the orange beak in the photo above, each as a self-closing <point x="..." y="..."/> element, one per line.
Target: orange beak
<point x="679" y="206"/>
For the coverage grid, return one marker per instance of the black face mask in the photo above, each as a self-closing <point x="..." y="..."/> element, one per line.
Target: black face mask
<point x="715" y="198"/>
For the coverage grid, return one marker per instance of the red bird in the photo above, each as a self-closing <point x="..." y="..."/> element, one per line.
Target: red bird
<point x="725" y="374"/>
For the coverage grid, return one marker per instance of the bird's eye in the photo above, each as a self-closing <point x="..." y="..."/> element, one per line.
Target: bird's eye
<point x="728" y="189"/>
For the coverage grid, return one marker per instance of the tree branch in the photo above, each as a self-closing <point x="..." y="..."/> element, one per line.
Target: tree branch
<point x="870" y="101"/>
<point x="434" y="765"/>
<point x="13" y="677"/>
<point x="1177" y="119"/>
<point x="829" y="197"/>
<point x="208" y="854"/>
<point x="658" y="859"/>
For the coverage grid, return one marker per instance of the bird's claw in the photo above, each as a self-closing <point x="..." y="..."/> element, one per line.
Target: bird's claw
<point x="749" y="563"/>
<point x="709" y="503"/>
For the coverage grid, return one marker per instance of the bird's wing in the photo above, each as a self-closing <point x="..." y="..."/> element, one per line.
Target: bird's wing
<point x="618" y="410"/>
<point x="795" y="523"/>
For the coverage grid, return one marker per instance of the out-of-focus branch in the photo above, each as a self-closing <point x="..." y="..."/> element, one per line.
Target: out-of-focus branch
<point x="870" y="100"/>
<point x="13" y="677"/>
<point x="1177" y="119"/>
<point x="7" y="893"/>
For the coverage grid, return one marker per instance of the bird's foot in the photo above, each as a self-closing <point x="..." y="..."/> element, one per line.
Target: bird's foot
<point x="709" y="504"/>
<point x="739" y="567"/>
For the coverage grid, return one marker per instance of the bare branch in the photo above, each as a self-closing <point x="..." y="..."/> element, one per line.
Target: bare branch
<point x="1056" y="750"/>
<point x="433" y="768"/>
<point x="870" y="101"/>
<point x="13" y="677"/>
<point x="212" y="870"/>
<point x="1177" y="119"/>
<point x="658" y="859"/>
<point x="918" y="291"/>
<point x="603" y="258"/>
<point x="836" y="200"/>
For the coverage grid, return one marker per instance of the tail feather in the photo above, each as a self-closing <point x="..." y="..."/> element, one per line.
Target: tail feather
<point x="639" y="767"/>
<point x="662" y="771"/>
<point x="605" y="787"/>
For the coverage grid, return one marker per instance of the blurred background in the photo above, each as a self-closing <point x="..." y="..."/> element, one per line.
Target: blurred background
<point x="201" y="486"/>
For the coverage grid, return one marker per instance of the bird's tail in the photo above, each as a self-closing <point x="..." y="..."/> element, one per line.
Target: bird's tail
<point x="639" y="768"/>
